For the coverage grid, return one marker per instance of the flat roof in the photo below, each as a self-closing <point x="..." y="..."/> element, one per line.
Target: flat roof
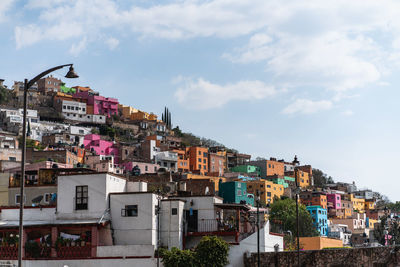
<point x="11" y="224"/>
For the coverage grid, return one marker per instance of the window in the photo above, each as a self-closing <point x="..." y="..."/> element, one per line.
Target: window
<point x="200" y="160"/>
<point x="64" y="107"/>
<point x="146" y="168"/>
<point x="268" y="194"/>
<point x="199" y="166"/>
<point x="174" y="211"/>
<point x="204" y="161"/>
<point x="130" y="211"/>
<point x="204" y="167"/>
<point x="269" y="165"/>
<point x="81" y="197"/>
<point x="199" y="153"/>
<point x="204" y="154"/>
<point x="18" y="199"/>
<point x="12" y="158"/>
<point x="68" y="107"/>
<point x="268" y="186"/>
<point x="83" y="109"/>
<point x="155" y="168"/>
<point x="239" y="192"/>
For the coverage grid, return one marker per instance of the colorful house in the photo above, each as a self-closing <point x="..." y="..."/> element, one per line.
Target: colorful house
<point x="270" y="167"/>
<point x="319" y="242"/>
<point x="369" y="204"/>
<point x="101" y="105"/>
<point x="94" y="143"/>
<point x="235" y="192"/>
<point x="334" y="200"/>
<point x="198" y="159"/>
<point x="311" y="198"/>
<point x="268" y="190"/>
<point x="320" y="219"/>
<point x="249" y="169"/>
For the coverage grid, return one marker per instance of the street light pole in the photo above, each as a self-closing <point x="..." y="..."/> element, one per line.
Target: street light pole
<point x="27" y="84"/>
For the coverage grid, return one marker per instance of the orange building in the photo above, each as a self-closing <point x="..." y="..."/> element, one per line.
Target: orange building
<point x="183" y="161"/>
<point x="268" y="190"/>
<point x="319" y="242"/>
<point x="369" y="204"/>
<point x="309" y="198"/>
<point x="303" y="178"/>
<point x="198" y="159"/>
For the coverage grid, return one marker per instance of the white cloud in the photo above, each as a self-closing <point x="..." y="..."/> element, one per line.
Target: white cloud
<point x="112" y="43"/>
<point x="77" y="48"/>
<point x="339" y="46"/>
<point x="306" y="106"/>
<point x="348" y="112"/>
<point x="202" y="94"/>
<point x="5" y="5"/>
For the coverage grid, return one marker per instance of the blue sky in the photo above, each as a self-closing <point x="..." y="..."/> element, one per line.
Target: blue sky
<point x="269" y="78"/>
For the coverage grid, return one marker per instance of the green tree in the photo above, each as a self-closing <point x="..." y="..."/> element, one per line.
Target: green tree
<point x="283" y="212"/>
<point x="212" y="251"/>
<point x="320" y="178"/>
<point x="5" y="95"/>
<point x="178" y="258"/>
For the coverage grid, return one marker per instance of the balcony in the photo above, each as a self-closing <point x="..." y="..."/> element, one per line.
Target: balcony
<point x="73" y="252"/>
<point x="212" y="226"/>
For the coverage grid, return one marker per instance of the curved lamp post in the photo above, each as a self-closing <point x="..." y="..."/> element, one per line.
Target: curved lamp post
<point x="27" y="84"/>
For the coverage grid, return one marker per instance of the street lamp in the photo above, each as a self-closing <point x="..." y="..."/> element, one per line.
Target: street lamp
<point x="27" y="84"/>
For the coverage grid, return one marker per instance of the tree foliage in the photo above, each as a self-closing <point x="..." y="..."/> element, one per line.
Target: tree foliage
<point x="5" y="95"/>
<point x="211" y="251"/>
<point x="392" y="228"/>
<point x="321" y="179"/>
<point x="284" y="212"/>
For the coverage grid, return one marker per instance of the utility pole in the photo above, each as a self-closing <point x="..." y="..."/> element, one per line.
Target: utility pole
<point x="297" y="216"/>
<point x="258" y="228"/>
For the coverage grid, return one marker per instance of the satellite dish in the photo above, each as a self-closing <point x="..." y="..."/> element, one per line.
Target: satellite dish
<point x="37" y="199"/>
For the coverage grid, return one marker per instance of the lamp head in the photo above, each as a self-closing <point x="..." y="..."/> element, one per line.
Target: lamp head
<point x="71" y="73"/>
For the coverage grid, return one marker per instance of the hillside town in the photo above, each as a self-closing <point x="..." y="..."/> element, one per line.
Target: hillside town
<point x="105" y="180"/>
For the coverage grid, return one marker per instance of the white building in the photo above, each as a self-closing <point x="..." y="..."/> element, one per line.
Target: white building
<point x="167" y="160"/>
<point x="339" y="231"/>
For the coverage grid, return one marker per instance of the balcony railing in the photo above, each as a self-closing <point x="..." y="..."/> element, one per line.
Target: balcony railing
<point x="74" y="252"/>
<point x="8" y="252"/>
<point x="41" y="251"/>
<point x="212" y="225"/>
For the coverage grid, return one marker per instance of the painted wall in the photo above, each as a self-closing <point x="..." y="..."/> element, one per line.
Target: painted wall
<point x="171" y="223"/>
<point x="99" y="186"/>
<point x="138" y="230"/>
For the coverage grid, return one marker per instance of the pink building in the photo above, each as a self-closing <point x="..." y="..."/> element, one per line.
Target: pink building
<point x="335" y="199"/>
<point x="106" y="106"/>
<point x="93" y="142"/>
<point x="143" y="166"/>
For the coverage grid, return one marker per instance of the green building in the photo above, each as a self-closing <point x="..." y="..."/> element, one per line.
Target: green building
<point x="235" y="192"/>
<point x="67" y="90"/>
<point x="247" y="169"/>
<point x="282" y="181"/>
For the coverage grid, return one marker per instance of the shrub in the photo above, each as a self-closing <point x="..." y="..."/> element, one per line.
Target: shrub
<point x="178" y="258"/>
<point x="212" y="251"/>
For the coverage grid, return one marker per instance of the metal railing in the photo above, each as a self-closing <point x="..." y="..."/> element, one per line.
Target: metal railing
<point x="212" y="225"/>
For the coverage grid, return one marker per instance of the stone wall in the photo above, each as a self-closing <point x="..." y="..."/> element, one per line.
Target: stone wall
<point x="366" y="257"/>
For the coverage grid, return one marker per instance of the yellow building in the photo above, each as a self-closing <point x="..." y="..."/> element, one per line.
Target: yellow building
<point x="358" y="203"/>
<point x="141" y="115"/>
<point x="369" y="205"/>
<point x="126" y="111"/>
<point x="304" y="179"/>
<point x="319" y="242"/>
<point x="268" y="190"/>
<point x="211" y="178"/>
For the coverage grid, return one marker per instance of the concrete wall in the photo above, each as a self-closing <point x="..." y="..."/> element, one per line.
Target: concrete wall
<point x="249" y="245"/>
<point x="354" y="257"/>
<point x="4" y="189"/>
<point x="127" y="250"/>
<point x="30" y="214"/>
<point x="99" y="186"/>
<point x="172" y="224"/>
<point x="146" y="262"/>
<point x="138" y="230"/>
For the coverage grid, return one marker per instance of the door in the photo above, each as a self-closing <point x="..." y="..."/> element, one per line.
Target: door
<point x="191" y="220"/>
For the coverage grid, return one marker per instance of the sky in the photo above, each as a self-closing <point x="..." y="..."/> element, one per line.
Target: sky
<point x="271" y="78"/>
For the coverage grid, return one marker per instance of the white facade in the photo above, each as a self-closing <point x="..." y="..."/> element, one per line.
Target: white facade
<point x="99" y="186"/>
<point x="172" y="214"/>
<point x="167" y="160"/>
<point x="136" y="228"/>
<point x="73" y="107"/>
<point x="268" y="243"/>
<point x="86" y="118"/>
<point x="339" y="231"/>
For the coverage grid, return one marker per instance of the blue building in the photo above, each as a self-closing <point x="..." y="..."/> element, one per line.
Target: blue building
<point x="235" y="192"/>
<point x="320" y="219"/>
